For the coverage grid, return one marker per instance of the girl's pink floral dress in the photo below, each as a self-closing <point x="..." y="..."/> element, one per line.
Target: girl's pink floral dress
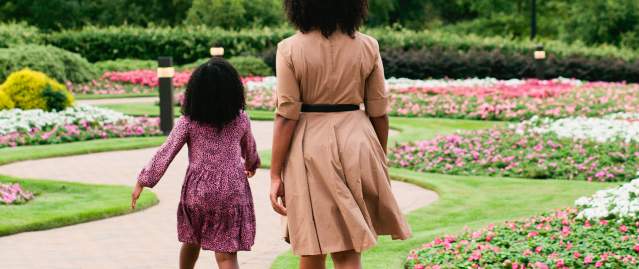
<point x="216" y="206"/>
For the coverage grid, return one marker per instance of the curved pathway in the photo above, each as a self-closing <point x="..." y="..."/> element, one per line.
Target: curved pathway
<point x="146" y="239"/>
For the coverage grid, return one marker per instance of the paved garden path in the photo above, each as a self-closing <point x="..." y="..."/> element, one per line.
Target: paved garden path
<point x="146" y="239"/>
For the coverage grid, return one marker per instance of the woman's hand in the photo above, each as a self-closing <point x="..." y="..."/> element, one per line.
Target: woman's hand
<point x="137" y="190"/>
<point x="277" y="195"/>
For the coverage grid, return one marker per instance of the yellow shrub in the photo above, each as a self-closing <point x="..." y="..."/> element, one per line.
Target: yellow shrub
<point x="5" y="101"/>
<point x="25" y="89"/>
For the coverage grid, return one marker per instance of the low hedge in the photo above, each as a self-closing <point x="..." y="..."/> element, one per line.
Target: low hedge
<point x="192" y="43"/>
<point x="125" y="65"/>
<point x="59" y="64"/>
<point x="450" y="63"/>
<point x="186" y="45"/>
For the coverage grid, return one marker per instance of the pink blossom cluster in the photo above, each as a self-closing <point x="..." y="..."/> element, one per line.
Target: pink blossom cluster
<point x="593" y="100"/>
<point x="103" y="86"/>
<point x="147" y="78"/>
<point x="82" y="131"/>
<point x="553" y="240"/>
<point x="507" y="152"/>
<point x="14" y="194"/>
<point x="504" y="89"/>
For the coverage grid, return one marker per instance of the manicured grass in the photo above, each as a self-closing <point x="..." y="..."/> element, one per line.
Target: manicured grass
<point x="152" y="110"/>
<point x="467" y="201"/>
<point x="23" y="153"/>
<point x="64" y="203"/>
<point x="112" y="96"/>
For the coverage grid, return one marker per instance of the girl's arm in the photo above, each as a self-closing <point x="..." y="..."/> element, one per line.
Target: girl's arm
<point x="155" y="169"/>
<point x="249" y="150"/>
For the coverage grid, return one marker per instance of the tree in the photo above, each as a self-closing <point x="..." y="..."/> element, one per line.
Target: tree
<point x="222" y="13"/>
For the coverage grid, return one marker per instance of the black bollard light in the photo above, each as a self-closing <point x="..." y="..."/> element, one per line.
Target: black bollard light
<point x="540" y="59"/>
<point x="165" y="77"/>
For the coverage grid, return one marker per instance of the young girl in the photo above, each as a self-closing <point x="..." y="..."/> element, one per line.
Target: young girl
<point x="216" y="207"/>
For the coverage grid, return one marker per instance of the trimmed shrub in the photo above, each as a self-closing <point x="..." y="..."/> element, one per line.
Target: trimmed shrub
<point x="12" y="34"/>
<point x="193" y="65"/>
<point x="251" y="66"/>
<point x="55" y="62"/>
<point x="448" y="63"/>
<point x="185" y="44"/>
<point x="30" y="89"/>
<point x="125" y="65"/>
<point x="5" y="101"/>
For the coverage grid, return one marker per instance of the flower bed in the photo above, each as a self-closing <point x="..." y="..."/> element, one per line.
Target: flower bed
<point x="531" y="150"/>
<point x="33" y="127"/>
<point x="14" y="194"/>
<point x="602" y="232"/>
<point x="622" y="126"/>
<point x="554" y="240"/>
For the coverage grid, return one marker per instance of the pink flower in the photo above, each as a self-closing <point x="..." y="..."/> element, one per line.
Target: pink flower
<point x="588" y="259"/>
<point x="623" y="228"/>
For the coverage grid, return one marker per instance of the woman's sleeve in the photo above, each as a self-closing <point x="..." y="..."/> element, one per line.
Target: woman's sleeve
<point x="376" y="96"/>
<point x="289" y="103"/>
<point x="155" y="169"/>
<point x="249" y="149"/>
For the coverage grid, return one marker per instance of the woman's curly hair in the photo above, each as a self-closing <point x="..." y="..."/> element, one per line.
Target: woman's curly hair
<point x="327" y="15"/>
<point x="214" y="94"/>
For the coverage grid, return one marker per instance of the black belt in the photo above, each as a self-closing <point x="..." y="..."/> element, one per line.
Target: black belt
<point x="329" y="107"/>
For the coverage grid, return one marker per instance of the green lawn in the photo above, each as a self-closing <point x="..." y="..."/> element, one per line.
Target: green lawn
<point x="23" y="153"/>
<point x="152" y="110"/>
<point x="467" y="201"/>
<point x="112" y="96"/>
<point x="64" y="203"/>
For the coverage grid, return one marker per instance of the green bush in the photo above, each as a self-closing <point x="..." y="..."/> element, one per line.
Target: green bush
<point x="193" y="65"/>
<point x="449" y="63"/>
<point x="186" y="45"/>
<point x="251" y="66"/>
<point x="55" y="62"/>
<point x="30" y="89"/>
<point x="12" y="34"/>
<point x="125" y="65"/>
<point x="192" y="43"/>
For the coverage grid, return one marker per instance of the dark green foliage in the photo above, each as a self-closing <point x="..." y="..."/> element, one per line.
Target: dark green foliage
<point x="56" y="100"/>
<point x="442" y="63"/>
<point x="250" y="66"/>
<point x="186" y="45"/>
<point x="55" y="62"/>
<point x="64" y="14"/>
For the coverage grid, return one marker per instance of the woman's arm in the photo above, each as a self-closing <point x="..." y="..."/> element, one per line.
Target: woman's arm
<point x="380" y="124"/>
<point x="282" y="135"/>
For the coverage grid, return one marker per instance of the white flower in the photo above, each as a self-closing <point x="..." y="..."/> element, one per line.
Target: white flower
<point x="14" y="120"/>
<point x="619" y="202"/>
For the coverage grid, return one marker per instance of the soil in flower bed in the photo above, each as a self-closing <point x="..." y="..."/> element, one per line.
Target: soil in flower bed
<point x="554" y="240"/>
<point x="510" y="153"/>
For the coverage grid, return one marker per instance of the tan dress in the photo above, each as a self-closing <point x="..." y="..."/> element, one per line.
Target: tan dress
<point x="338" y="192"/>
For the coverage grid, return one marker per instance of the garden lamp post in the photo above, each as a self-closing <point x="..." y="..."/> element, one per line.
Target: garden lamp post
<point x="540" y="58"/>
<point x="165" y="77"/>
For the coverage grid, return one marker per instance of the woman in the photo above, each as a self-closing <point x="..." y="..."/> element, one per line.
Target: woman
<point x="328" y="164"/>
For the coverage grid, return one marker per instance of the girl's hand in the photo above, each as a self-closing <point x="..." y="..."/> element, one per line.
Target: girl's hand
<point x="277" y="195"/>
<point x="137" y="190"/>
<point x="249" y="174"/>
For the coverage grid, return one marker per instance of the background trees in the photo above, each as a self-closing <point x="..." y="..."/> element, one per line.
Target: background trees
<point x="591" y="22"/>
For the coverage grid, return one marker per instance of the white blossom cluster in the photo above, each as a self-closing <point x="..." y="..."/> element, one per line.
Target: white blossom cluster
<point x="13" y="120"/>
<point x="402" y="83"/>
<point x="619" y="202"/>
<point x="266" y="83"/>
<point x="624" y="126"/>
